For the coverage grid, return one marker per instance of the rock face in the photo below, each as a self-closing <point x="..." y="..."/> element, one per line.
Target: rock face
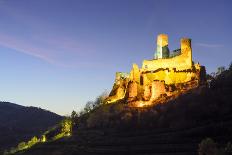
<point x="167" y="74"/>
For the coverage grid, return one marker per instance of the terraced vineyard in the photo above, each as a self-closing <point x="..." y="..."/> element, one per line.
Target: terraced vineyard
<point x="174" y="128"/>
<point x="157" y="142"/>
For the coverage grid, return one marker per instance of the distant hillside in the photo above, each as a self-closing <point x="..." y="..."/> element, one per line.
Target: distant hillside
<point x="176" y="127"/>
<point x="18" y="123"/>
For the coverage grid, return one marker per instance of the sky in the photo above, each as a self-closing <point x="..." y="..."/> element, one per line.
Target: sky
<point x="59" y="54"/>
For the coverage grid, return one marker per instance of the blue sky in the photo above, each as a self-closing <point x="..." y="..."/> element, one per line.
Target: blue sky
<point x="59" y="54"/>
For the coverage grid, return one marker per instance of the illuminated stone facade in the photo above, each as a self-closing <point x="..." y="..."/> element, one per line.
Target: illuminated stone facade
<point x="167" y="74"/>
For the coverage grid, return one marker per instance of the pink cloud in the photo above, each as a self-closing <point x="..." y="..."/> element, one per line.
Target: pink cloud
<point x="59" y="52"/>
<point x="26" y="48"/>
<point x="44" y="42"/>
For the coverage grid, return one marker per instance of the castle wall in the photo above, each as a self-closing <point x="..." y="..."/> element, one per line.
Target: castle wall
<point x="120" y="93"/>
<point x="147" y="92"/>
<point x="119" y="76"/>
<point x="146" y="87"/>
<point x="133" y="89"/>
<point x="172" y="77"/>
<point x="181" y="62"/>
<point x="135" y="73"/>
<point x="157" y="89"/>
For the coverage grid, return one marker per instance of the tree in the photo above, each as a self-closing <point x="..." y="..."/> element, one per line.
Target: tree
<point x="208" y="147"/>
<point x="100" y="99"/>
<point x="213" y="74"/>
<point x="89" y="106"/>
<point x="33" y="141"/>
<point x="74" y="115"/>
<point x="22" y="146"/>
<point x="66" y="126"/>
<point x="230" y="67"/>
<point x="43" y="138"/>
<point x="220" y="70"/>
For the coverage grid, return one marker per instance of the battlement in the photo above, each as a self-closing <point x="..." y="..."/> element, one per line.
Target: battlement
<point x="182" y="61"/>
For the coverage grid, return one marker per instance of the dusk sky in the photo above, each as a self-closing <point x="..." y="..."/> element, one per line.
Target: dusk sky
<point x="59" y="54"/>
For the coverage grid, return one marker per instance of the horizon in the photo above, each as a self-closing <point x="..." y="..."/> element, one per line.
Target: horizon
<point x="57" y="55"/>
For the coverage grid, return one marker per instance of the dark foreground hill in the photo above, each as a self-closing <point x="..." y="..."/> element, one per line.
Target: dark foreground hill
<point x="174" y="128"/>
<point x="19" y="123"/>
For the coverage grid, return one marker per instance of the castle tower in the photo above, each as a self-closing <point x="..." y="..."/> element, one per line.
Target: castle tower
<point x="186" y="50"/>
<point x="135" y="73"/>
<point x="162" y="47"/>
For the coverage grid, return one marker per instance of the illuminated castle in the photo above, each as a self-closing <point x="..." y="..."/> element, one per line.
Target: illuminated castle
<point x="168" y="74"/>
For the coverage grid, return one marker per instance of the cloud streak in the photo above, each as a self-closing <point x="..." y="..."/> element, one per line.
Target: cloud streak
<point x="26" y="48"/>
<point x="209" y="45"/>
<point x="42" y="41"/>
<point x="56" y="51"/>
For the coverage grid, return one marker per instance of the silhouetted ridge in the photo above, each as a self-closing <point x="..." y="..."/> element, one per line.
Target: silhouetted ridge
<point x="19" y="123"/>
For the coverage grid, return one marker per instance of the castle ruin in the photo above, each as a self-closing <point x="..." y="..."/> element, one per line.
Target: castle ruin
<point x="168" y="74"/>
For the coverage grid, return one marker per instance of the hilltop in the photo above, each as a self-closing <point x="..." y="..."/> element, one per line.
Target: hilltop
<point x="18" y="123"/>
<point x="176" y="127"/>
<point x="168" y="106"/>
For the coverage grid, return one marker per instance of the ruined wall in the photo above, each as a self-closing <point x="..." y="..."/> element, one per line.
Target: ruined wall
<point x="135" y="73"/>
<point x="170" y="76"/>
<point x="119" y="88"/>
<point x="157" y="89"/>
<point x="181" y="62"/>
<point x="119" y="76"/>
<point x="146" y="87"/>
<point x="147" y="92"/>
<point x="133" y="89"/>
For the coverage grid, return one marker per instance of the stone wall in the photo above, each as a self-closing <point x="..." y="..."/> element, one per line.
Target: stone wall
<point x="171" y="76"/>
<point x="157" y="89"/>
<point x="180" y="62"/>
<point x="118" y="91"/>
<point x="135" y="73"/>
<point x="147" y="92"/>
<point x="119" y="76"/>
<point x="133" y="89"/>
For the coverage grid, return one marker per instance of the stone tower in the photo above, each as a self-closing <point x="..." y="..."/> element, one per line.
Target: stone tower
<point x="162" y="47"/>
<point x="186" y="51"/>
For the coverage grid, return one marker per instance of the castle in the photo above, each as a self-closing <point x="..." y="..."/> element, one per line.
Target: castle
<point x="168" y="74"/>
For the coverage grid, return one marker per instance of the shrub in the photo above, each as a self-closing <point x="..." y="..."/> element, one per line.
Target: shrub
<point x="33" y="141"/>
<point x="22" y="146"/>
<point x="43" y="138"/>
<point x="66" y="127"/>
<point x="228" y="148"/>
<point x="209" y="147"/>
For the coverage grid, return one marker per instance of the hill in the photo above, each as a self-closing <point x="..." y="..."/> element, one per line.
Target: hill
<point x="174" y="128"/>
<point x="18" y="123"/>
